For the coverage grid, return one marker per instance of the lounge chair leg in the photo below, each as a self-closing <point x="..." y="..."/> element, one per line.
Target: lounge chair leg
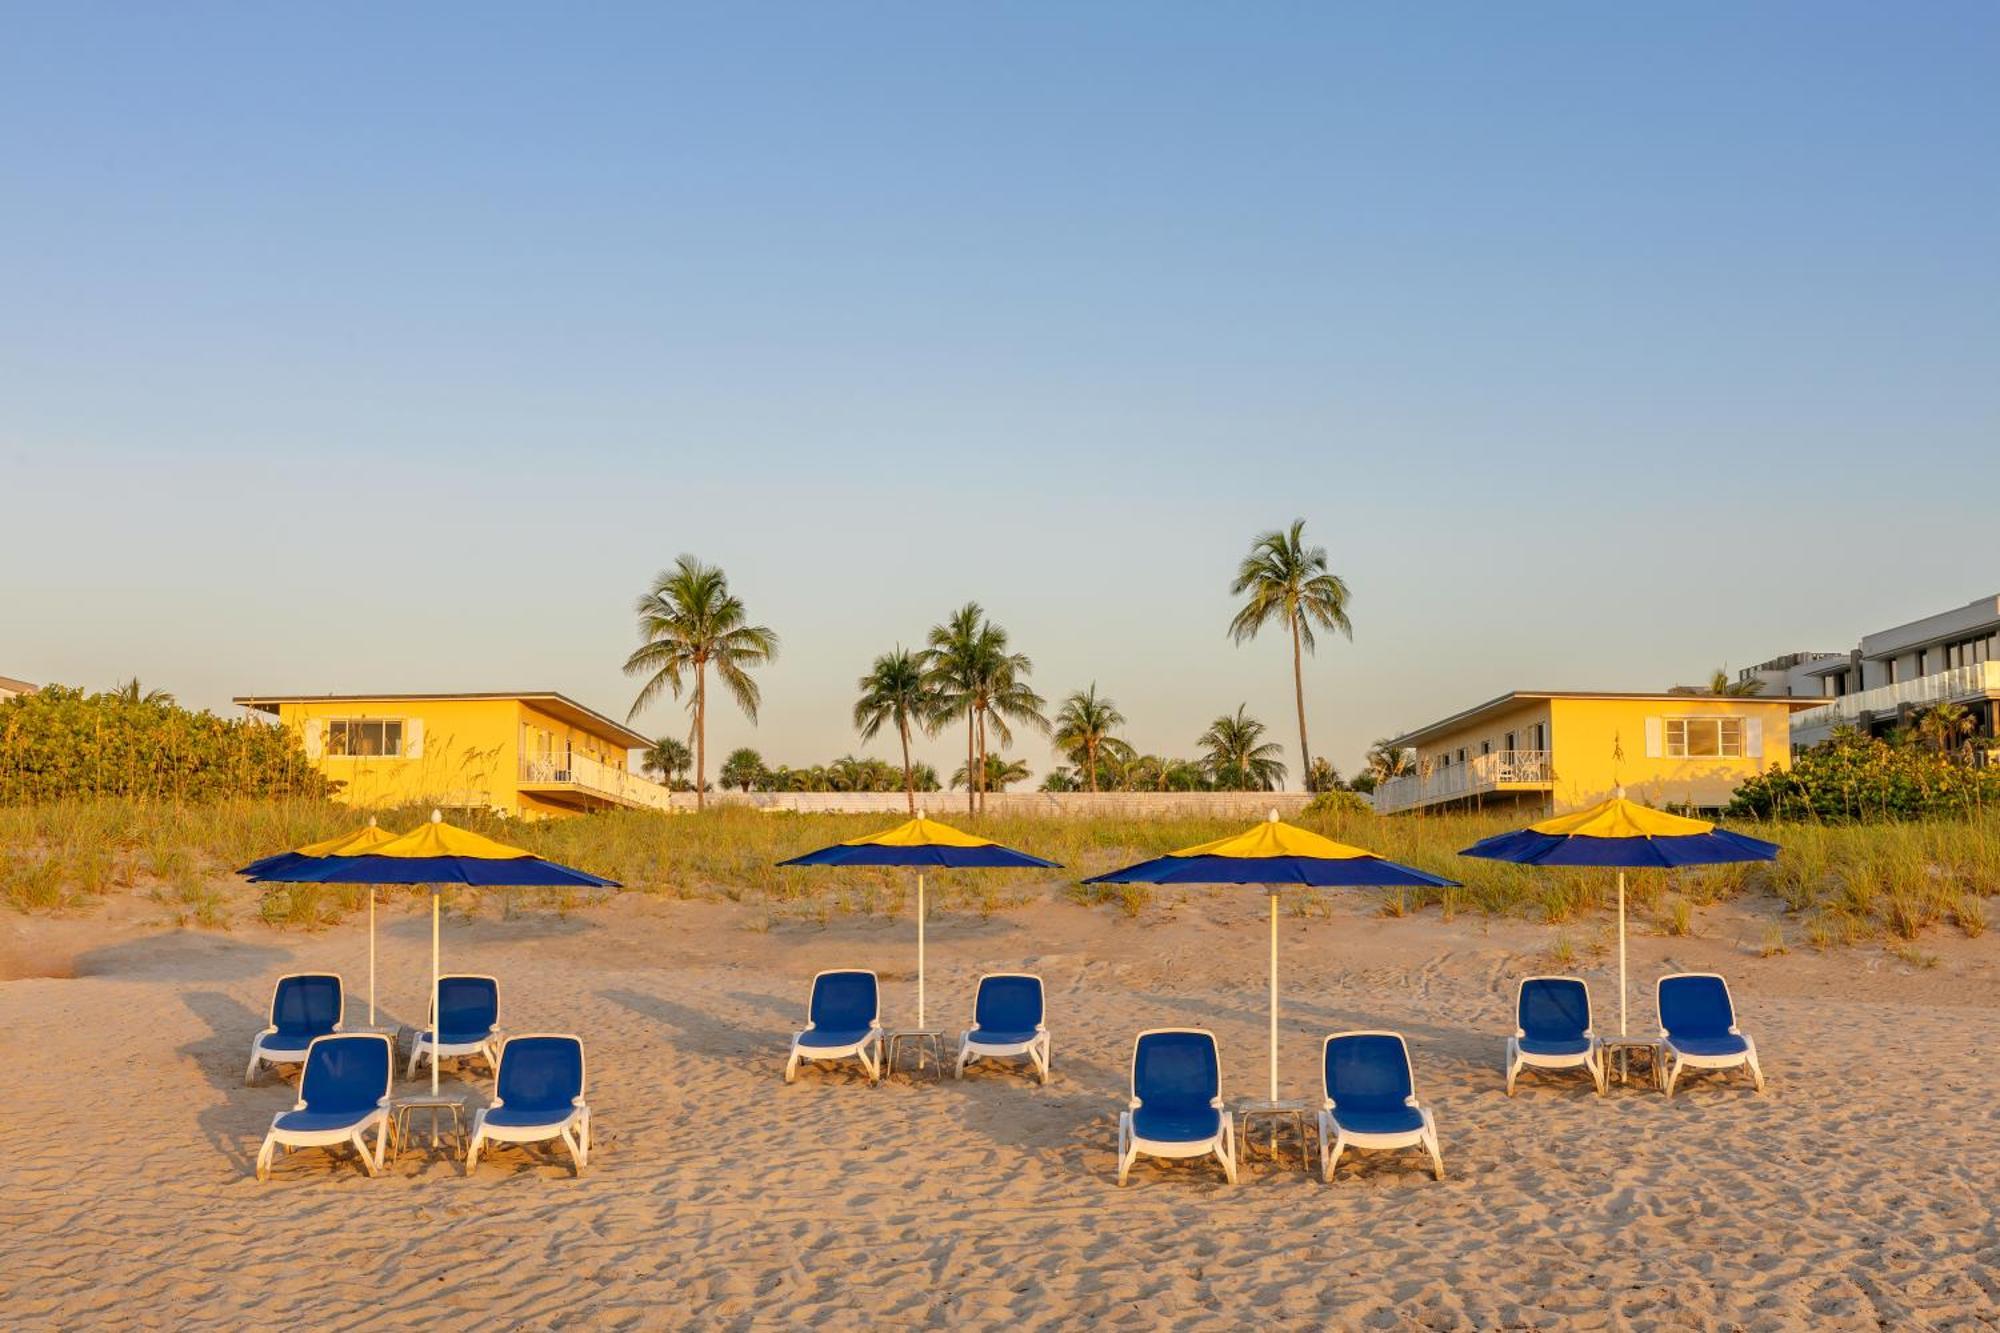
<point x="1125" y="1152"/>
<point x="1437" y="1157"/>
<point x="472" y="1150"/>
<point x="250" y="1074"/>
<point x="416" y="1049"/>
<point x="1226" y="1149"/>
<point x="1756" y="1070"/>
<point x="264" y="1159"/>
<point x="1333" y="1156"/>
<point x="575" y="1153"/>
<point x="792" y="1065"/>
<point x="1673" y="1076"/>
<point x="583" y="1135"/>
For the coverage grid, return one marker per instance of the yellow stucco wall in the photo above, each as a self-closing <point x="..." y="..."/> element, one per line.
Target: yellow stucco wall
<point x="470" y="753"/>
<point x="1590" y="735"/>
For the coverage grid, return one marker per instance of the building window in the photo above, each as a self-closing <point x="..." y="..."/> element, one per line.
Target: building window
<point x="362" y="738"/>
<point x="1704" y="738"/>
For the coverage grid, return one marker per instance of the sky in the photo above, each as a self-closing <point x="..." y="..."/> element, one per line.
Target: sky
<point x="377" y="347"/>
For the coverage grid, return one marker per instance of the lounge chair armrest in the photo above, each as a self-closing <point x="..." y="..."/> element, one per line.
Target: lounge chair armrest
<point x="1519" y="1032"/>
<point x="1133" y="1104"/>
<point x="1411" y="1102"/>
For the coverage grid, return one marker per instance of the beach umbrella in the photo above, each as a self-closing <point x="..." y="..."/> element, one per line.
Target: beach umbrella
<point x="1274" y="854"/>
<point x="924" y="844"/>
<point x="436" y="854"/>
<point x="271" y="870"/>
<point x="1626" y="835"/>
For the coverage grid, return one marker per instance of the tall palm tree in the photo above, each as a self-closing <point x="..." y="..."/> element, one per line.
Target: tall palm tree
<point x="1083" y="726"/>
<point x="1238" y="756"/>
<point x="668" y="757"/>
<point x="972" y="674"/>
<point x="688" y="622"/>
<point x="1288" y="581"/>
<point x="896" y="691"/>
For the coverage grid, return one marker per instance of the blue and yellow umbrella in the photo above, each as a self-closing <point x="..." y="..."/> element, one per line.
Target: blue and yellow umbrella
<point x="924" y="844"/>
<point x="1274" y="854"/>
<point x="1626" y="835"/>
<point x="436" y="854"/>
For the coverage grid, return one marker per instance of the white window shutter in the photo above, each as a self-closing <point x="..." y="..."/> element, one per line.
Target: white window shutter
<point x="413" y="738"/>
<point x="1753" y="738"/>
<point x="1655" y="737"/>
<point x="310" y="735"/>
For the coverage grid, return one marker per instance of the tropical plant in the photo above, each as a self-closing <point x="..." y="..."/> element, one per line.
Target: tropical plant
<point x="1058" y="779"/>
<point x="689" y="621"/>
<point x="895" y="692"/>
<point x="1324" y="776"/>
<point x="1854" y="776"/>
<point x="1387" y="761"/>
<point x="667" y="757"/>
<point x="1237" y="755"/>
<point x="971" y="673"/>
<point x="1945" y="727"/>
<point x="131" y="692"/>
<point x="1084" y="728"/>
<point x="1000" y="773"/>
<point x="743" y="769"/>
<point x="1722" y="687"/>
<point x="1284" y="580"/>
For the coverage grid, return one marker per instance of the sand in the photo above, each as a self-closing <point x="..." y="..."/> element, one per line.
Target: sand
<point x="1858" y="1192"/>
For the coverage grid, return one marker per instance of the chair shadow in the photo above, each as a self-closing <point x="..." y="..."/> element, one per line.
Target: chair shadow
<point x="221" y="1055"/>
<point x="183" y="954"/>
<point x="696" y="1030"/>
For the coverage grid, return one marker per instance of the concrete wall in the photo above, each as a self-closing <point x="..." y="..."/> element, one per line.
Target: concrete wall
<point x="1245" y="805"/>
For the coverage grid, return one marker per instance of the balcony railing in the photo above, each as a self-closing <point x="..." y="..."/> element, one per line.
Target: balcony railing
<point x="1501" y="770"/>
<point x="1960" y="683"/>
<point x="598" y="779"/>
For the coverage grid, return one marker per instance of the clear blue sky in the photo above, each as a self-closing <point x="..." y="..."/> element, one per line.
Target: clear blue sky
<point x="366" y="348"/>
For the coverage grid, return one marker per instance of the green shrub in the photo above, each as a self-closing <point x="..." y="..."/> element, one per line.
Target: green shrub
<point x="1858" y="777"/>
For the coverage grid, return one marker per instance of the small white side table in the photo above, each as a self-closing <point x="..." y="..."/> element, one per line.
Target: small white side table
<point x="1622" y="1050"/>
<point x="921" y="1042"/>
<point x="436" y="1108"/>
<point x="1277" y="1113"/>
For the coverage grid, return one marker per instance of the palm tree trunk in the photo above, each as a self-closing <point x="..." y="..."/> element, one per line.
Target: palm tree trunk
<point x="1299" y="694"/>
<point x="700" y="735"/>
<point x="909" y="779"/>
<point x="982" y="763"/>
<point x="970" y="789"/>
<point x="1090" y="753"/>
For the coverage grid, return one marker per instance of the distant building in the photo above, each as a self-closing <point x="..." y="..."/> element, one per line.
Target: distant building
<point x="1563" y="750"/>
<point x="535" y="753"/>
<point x="11" y="688"/>
<point x="1951" y="657"/>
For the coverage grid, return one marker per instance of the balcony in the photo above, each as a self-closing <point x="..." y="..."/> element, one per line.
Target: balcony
<point x="589" y="784"/>
<point x="1500" y="771"/>
<point x="1963" y="684"/>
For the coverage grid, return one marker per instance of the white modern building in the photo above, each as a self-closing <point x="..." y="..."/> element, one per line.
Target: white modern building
<point x="1951" y="657"/>
<point x="10" y="688"/>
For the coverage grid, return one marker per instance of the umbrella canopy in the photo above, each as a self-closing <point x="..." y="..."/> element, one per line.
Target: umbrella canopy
<point x="345" y="844"/>
<point x="1274" y="854"/>
<point x="1626" y="835"/>
<point x="1622" y="833"/>
<point x="436" y="854"/>
<point x="924" y="844"/>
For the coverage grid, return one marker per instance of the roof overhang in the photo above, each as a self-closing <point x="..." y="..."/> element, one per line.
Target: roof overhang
<point x="1791" y="702"/>
<point x="559" y="706"/>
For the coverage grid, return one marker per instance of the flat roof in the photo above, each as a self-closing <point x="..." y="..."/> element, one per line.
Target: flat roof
<point x="16" y="686"/>
<point x="548" y="701"/>
<point x="1795" y="702"/>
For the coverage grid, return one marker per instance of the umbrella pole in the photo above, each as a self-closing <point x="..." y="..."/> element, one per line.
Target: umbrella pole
<point x="437" y="1036"/>
<point x="1274" y="996"/>
<point x="371" y="955"/>
<point x="920" y="949"/>
<point x="1621" y="953"/>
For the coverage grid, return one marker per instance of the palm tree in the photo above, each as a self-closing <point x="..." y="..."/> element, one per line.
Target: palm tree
<point x="131" y="692"/>
<point x="1000" y="771"/>
<point x="896" y="691"/>
<point x="970" y="672"/>
<point x="1386" y="761"/>
<point x="1288" y="581"/>
<point x="688" y="622"/>
<point x="1083" y="727"/>
<point x="1945" y="726"/>
<point x="667" y="757"/>
<point x="742" y="769"/>
<point x="1722" y="687"/>
<point x="1238" y="756"/>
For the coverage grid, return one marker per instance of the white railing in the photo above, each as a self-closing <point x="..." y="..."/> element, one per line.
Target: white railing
<point x="1500" y="770"/>
<point x="1966" y="682"/>
<point x="598" y="778"/>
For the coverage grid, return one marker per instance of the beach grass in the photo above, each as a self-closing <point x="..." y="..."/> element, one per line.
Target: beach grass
<point x="1844" y="883"/>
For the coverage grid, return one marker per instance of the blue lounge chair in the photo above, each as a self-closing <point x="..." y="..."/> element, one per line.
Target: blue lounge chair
<point x="843" y="1022"/>
<point x="1552" y="1030"/>
<point x="343" y="1093"/>
<point x="1009" y="1015"/>
<point x="1698" y="1027"/>
<point x="1176" y="1107"/>
<point x="467" y="1023"/>
<point x="1371" y="1100"/>
<point x="304" y="1005"/>
<point x="537" y="1096"/>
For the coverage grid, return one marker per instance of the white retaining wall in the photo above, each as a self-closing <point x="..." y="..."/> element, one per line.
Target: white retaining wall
<point x="948" y="805"/>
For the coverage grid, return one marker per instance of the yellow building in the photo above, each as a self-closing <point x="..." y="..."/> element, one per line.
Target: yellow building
<point x="529" y="754"/>
<point x="1560" y="751"/>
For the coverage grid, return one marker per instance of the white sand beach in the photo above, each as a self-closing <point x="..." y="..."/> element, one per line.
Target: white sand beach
<point x="1859" y="1192"/>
